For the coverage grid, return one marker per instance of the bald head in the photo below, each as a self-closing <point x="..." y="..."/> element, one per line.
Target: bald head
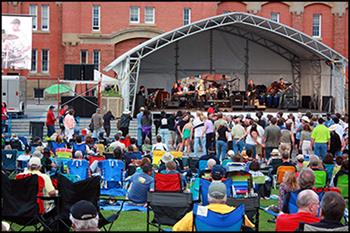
<point x="306" y="198"/>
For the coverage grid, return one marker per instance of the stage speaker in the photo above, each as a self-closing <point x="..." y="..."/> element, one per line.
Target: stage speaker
<point x="306" y="101"/>
<point x="79" y="72"/>
<point x="326" y="101"/>
<point x="81" y="106"/>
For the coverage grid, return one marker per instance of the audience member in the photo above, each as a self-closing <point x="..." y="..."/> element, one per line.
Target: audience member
<point x="159" y="145"/>
<point x="84" y="216"/>
<point x="289" y="184"/>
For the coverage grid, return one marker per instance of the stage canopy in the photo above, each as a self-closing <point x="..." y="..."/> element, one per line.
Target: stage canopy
<point x="239" y="45"/>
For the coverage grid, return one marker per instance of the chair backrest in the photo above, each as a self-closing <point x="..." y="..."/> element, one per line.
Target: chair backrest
<point x="292" y="203"/>
<point x="23" y="140"/>
<point x="308" y="227"/>
<point x="8" y="159"/>
<point x="283" y="169"/>
<point x="241" y="181"/>
<point x="81" y="147"/>
<point x="320" y="179"/>
<point x="235" y="166"/>
<point x="258" y="181"/>
<point x="64" y="153"/>
<point x="79" y="168"/>
<point x="202" y="165"/>
<point x="93" y="158"/>
<point x="208" y="220"/>
<point x="169" y="207"/>
<point x="157" y="155"/>
<point x="204" y="187"/>
<point x="225" y="162"/>
<point x="167" y="182"/>
<point x="111" y="169"/>
<point x="343" y="185"/>
<point x="176" y="154"/>
<point x="329" y="169"/>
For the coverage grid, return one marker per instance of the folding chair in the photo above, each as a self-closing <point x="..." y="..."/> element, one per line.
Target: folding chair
<point x="167" y="182"/>
<point x="19" y="202"/>
<point x="204" y="187"/>
<point x="252" y="206"/>
<point x="283" y="169"/>
<point x="343" y="185"/>
<point x="225" y="162"/>
<point x="112" y="177"/>
<point x="235" y="166"/>
<point x="79" y="168"/>
<point x="241" y="181"/>
<point x="63" y="155"/>
<point x="258" y="184"/>
<point x="93" y="158"/>
<point x="88" y="189"/>
<point x="320" y="179"/>
<point x="8" y="160"/>
<point x="157" y="155"/>
<point x="168" y="208"/>
<point x="217" y="222"/>
<point x="309" y="227"/>
<point x="202" y="165"/>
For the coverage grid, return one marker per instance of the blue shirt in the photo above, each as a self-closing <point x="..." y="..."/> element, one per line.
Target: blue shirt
<point x="139" y="118"/>
<point x="141" y="184"/>
<point x="329" y="123"/>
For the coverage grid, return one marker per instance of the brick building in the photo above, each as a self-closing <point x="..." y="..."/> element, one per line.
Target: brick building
<point x="98" y="32"/>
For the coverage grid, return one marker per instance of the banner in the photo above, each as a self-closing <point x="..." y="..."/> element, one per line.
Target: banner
<point x="16" y="42"/>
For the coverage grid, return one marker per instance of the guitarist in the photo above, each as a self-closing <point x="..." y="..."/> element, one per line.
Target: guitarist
<point x="282" y="88"/>
<point x="251" y="92"/>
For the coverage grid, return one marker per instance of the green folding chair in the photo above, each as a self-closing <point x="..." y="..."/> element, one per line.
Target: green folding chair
<point x="343" y="185"/>
<point x="321" y="179"/>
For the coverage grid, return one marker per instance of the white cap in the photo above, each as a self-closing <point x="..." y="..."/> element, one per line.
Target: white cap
<point x="305" y="118"/>
<point x="34" y="161"/>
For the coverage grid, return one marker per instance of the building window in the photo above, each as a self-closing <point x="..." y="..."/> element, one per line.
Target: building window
<point x="45" y="60"/>
<point x="45" y="19"/>
<point x="96" y="59"/>
<point x="84" y="57"/>
<point x="316" y="25"/>
<point x="187" y="16"/>
<point x="149" y="15"/>
<point x="33" y="11"/>
<point x="275" y="17"/>
<point x="96" y="18"/>
<point x="34" y="60"/>
<point x="134" y="14"/>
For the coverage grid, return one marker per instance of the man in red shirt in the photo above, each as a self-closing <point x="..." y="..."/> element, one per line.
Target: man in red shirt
<point x="308" y="204"/>
<point x="50" y="121"/>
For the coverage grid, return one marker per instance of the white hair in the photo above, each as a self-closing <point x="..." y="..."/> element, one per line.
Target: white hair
<point x="78" y="154"/>
<point x="216" y="200"/>
<point x="84" y="224"/>
<point x="211" y="163"/>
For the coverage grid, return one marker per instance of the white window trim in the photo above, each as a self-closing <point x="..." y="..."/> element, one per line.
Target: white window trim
<point x="278" y="16"/>
<point x="35" y="18"/>
<point x="87" y="56"/>
<point x="153" y="15"/>
<point x="36" y="62"/>
<point x="48" y="18"/>
<point x="99" y="58"/>
<point x="48" y="61"/>
<point x="138" y="14"/>
<point x="99" y="18"/>
<point x="320" y="26"/>
<point x="189" y="15"/>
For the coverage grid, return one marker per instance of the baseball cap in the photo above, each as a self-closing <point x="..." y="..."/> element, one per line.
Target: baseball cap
<point x="83" y="210"/>
<point x="34" y="161"/>
<point x="300" y="157"/>
<point x="217" y="190"/>
<point x="51" y="107"/>
<point x="218" y="172"/>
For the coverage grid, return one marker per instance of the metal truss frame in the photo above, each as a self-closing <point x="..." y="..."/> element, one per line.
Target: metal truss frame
<point x="316" y="82"/>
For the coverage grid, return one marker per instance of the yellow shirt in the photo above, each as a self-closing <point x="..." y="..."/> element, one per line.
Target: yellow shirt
<point x="185" y="224"/>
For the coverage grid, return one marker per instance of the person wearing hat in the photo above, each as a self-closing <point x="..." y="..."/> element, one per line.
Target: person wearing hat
<point x="84" y="216"/>
<point x="300" y="162"/>
<point x="274" y="161"/>
<point x="16" y="144"/>
<point x="320" y="139"/>
<point x="217" y="198"/>
<point x="218" y="173"/>
<point x="335" y="142"/>
<point x="50" y="121"/>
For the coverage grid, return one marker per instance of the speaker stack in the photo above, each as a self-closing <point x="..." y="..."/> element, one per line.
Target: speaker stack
<point x="79" y="72"/>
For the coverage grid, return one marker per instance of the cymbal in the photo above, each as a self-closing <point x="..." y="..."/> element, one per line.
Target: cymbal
<point x="9" y="37"/>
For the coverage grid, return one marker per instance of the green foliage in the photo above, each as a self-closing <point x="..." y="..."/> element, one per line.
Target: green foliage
<point x="111" y="93"/>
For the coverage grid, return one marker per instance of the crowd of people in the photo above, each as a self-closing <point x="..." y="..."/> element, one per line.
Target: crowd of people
<point x="257" y="141"/>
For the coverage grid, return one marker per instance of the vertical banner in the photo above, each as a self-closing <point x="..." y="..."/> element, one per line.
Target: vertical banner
<point x="16" y="42"/>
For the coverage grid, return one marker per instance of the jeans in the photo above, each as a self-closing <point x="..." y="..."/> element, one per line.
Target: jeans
<point x="238" y="146"/>
<point x="320" y="149"/>
<point x="164" y="133"/>
<point x="50" y="130"/>
<point x="202" y="141"/>
<point x="139" y="136"/>
<point x="268" y="151"/>
<point x="221" y="149"/>
<point x="306" y="147"/>
<point x="251" y="147"/>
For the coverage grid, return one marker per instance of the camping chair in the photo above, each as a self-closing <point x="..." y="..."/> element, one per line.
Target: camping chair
<point x="320" y="179"/>
<point x="258" y="184"/>
<point x="167" y="182"/>
<point x="63" y="155"/>
<point x="308" y="227"/>
<point x="343" y="185"/>
<point x="8" y="160"/>
<point x="168" y="207"/>
<point x="89" y="190"/>
<point x="19" y="202"/>
<point x="79" y="168"/>
<point x="157" y="155"/>
<point x="202" y="165"/>
<point x="204" y="187"/>
<point x="241" y="181"/>
<point x="112" y="177"/>
<point x="251" y="204"/>
<point x="93" y="158"/>
<point x="235" y="166"/>
<point x="215" y="222"/>
<point x="283" y="169"/>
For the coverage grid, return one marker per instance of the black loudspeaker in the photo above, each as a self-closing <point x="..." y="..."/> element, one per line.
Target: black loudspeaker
<point x="38" y="92"/>
<point x="306" y="101"/>
<point x="326" y="101"/>
<point x="79" y="72"/>
<point x="81" y="106"/>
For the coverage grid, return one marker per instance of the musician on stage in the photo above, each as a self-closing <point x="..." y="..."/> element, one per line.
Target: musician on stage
<point x="251" y="92"/>
<point x="282" y="86"/>
<point x="201" y="93"/>
<point x="272" y="95"/>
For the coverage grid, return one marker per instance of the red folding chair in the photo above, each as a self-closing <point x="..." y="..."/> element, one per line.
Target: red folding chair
<point x="167" y="182"/>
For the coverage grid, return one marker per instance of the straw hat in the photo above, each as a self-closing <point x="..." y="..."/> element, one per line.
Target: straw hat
<point x="275" y="152"/>
<point x="306" y="119"/>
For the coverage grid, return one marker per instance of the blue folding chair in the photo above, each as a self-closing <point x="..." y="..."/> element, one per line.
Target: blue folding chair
<point x="204" y="187"/>
<point x="8" y="160"/>
<point x="215" y="222"/>
<point x="79" y="168"/>
<point x="202" y="165"/>
<point x="112" y="177"/>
